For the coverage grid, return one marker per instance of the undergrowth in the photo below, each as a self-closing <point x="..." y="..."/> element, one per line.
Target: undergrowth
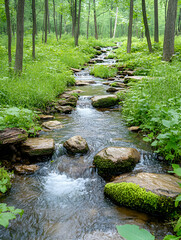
<point x="103" y="71"/>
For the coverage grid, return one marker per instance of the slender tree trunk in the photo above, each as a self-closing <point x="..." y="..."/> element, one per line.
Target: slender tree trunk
<point x="88" y="20"/>
<point x="8" y="30"/>
<point x="147" y="33"/>
<point x="179" y="21"/>
<point x="46" y="20"/>
<point x="95" y="21"/>
<point x="54" y="18"/>
<point x="61" y="21"/>
<point x="111" y="30"/>
<point x="169" y="36"/>
<point x="77" y="33"/>
<point x="73" y="17"/>
<point x="34" y="27"/>
<point x="166" y="3"/>
<point x="19" y="37"/>
<point x="115" y="25"/>
<point x="156" y="31"/>
<point x="130" y="27"/>
<point x="43" y="28"/>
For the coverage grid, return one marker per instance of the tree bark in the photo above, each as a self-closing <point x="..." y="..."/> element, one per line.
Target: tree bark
<point x="147" y="33"/>
<point x="54" y="18"/>
<point x="34" y="27"/>
<point x="61" y="21"/>
<point x="8" y="30"/>
<point x="77" y="33"/>
<point x="95" y="21"/>
<point x="169" y="35"/>
<point x="19" y="37"/>
<point x="130" y="27"/>
<point x="46" y="19"/>
<point x="88" y="20"/>
<point x="156" y="31"/>
<point x="179" y="21"/>
<point x="115" y="25"/>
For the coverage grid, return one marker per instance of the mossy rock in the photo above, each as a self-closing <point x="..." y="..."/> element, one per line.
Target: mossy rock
<point x="104" y="101"/>
<point x="159" y="201"/>
<point x="76" y="144"/>
<point x="112" y="161"/>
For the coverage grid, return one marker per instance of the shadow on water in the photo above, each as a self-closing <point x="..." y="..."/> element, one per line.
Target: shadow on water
<point x="64" y="199"/>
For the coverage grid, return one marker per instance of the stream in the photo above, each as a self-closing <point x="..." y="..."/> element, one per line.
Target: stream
<point x="64" y="199"/>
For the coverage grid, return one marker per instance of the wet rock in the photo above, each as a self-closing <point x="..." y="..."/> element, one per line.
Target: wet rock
<point x="26" y="169"/>
<point x="52" y="125"/>
<point x="46" y="117"/>
<point x="114" y="160"/>
<point x="128" y="72"/>
<point x="111" y="79"/>
<point x="97" y="48"/>
<point x="134" y="128"/>
<point x="82" y="83"/>
<point x="76" y="144"/>
<point x="105" y="83"/>
<point x="12" y="136"/>
<point x="99" y="60"/>
<point x="64" y="109"/>
<point x="98" y="235"/>
<point x="148" y="192"/>
<point x="128" y="79"/>
<point x="92" y="61"/>
<point x="112" y="89"/>
<point x="117" y="84"/>
<point x="34" y="147"/>
<point x="104" y="101"/>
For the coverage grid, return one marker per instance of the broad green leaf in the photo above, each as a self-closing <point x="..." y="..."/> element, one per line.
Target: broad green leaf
<point x="166" y="123"/>
<point x="154" y="144"/>
<point x="5" y="217"/>
<point x="133" y="232"/>
<point x="178" y="225"/>
<point x="146" y="139"/>
<point x="178" y="171"/>
<point x="18" y="211"/>
<point x="177" y="200"/>
<point x="171" y="237"/>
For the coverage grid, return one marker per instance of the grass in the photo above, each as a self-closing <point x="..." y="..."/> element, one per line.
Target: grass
<point x="154" y="103"/>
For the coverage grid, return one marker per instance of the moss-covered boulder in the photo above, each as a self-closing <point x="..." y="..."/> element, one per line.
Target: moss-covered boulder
<point x="104" y="101"/>
<point x="115" y="160"/>
<point x="146" y="192"/>
<point x="76" y="144"/>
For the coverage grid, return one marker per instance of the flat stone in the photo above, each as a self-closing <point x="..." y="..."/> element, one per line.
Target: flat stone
<point x="105" y="83"/>
<point x="104" y="101"/>
<point x="128" y="72"/>
<point x="111" y="79"/>
<point x="12" y="136"/>
<point x="38" y="147"/>
<point x="26" y="169"/>
<point x="99" y="60"/>
<point x="75" y="69"/>
<point x="91" y="61"/>
<point x="64" y="109"/>
<point x="81" y="83"/>
<point x="134" y="128"/>
<point x="51" y="125"/>
<point x="112" y="89"/>
<point x="76" y="144"/>
<point x="117" y="84"/>
<point x="75" y="91"/>
<point x="114" y="160"/>
<point x="46" y="117"/>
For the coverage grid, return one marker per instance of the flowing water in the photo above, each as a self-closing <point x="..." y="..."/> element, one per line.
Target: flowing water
<point x="64" y="199"/>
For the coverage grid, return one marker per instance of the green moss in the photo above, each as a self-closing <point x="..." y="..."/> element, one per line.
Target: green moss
<point x="133" y="196"/>
<point x="107" y="168"/>
<point x="105" y="102"/>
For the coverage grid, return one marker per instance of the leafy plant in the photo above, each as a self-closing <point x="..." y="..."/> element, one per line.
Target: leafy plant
<point x="103" y="71"/>
<point x="5" y="180"/>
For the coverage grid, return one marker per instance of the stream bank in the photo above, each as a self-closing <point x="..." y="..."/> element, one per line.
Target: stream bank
<point x="64" y="199"/>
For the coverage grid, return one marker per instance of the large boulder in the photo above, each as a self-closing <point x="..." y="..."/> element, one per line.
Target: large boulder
<point x="147" y="192"/>
<point x="76" y="144"/>
<point x="52" y="125"/>
<point x="112" y="161"/>
<point x="12" y="136"/>
<point x="35" y="147"/>
<point x="104" y="101"/>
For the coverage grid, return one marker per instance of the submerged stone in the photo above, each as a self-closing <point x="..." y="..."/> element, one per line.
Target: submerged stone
<point x="104" y="101"/>
<point x="76" y="144"/>
<point x="26" y="169"/>
<point x="52" y="125"/>
<point x="112" y="161"/>
<point x="147" y="192"/>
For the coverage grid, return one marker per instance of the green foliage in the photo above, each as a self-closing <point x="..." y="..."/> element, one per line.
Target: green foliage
<point x="18" y="117"/>
<point x="103" y="71"/>
<point x="133" y="232"/>
<point x="8" y="213"/>
<point x="5" y="180"/>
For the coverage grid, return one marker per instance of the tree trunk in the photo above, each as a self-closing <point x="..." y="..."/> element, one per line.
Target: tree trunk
<point x="130" y="27"/>
<point x="147" y="33"/>
<point x="54" y="18"/>
<point x="115" y="25"/>
<point x="73" y="17"/>
<point x="46" y="19"/>
<point x="166" y="3"/>
<point x="8" y="30"/>
<point x="156" y="32"/>
<point x="111" y="30"/>
<point x="77" y="33"/>
<point x="61" y="21"/>
<point x="19" y="37"/>
<point x="169" y="36"/>
<point x="88" y="20"/>
<point x="179" y="21"/>
<point x="34" y="27"/>
<point x="95" y="20"/>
